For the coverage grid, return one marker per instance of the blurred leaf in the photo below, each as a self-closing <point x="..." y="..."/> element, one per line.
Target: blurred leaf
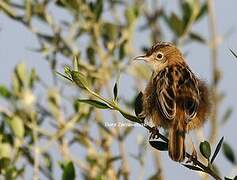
<point x="228" y="152"/>
<point x="4" y="92"/>
<point x="115" y="158"/>
<point x="130" y="15"/>
<point x="4" y="163"/>
<point x="175" y="24"/>
<point x="234" y="54"/>
<point x="202" y="11"/>
<point x="195" y="168"/>
<point x="196" y="37"/>
<point x="159" y="145"/>
<point x="90" y="52"/>
<point x="79" y="79"/>
<point x="109" y="32"/>
<point x="21" y="75"/>
<point x="68" y="171"/>
<point x="122" y="49"/>
<point x="187" y="12"/>
<point x="5" y="150"/>
<point x="227" y="115"/>
<point x="95" y="103"/>
<point x="205" y="149"/>
<point x="98" y="8"/>
<point x="138" y="104"/>
<point x="48" y="161"/>
<point x="218" y="147"/>
<point x="17" y="126"/>
<point x="33" y="77"/>
<point x="115" y="91"/>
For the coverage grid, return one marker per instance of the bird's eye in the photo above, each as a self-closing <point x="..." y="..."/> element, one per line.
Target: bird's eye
<point x="160" y="55"/>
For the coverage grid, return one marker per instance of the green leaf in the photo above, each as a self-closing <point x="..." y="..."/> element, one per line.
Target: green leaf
<point x="79" y="79"/>
<point x="95" y="103"/>
<point x="122" y="49"/>
<point x="228" y="152"/>
<point x="5" y="150"/>
<point x="187" y="12"/>
<point x="4" y="163"/>
<point x="195" y="168"/>
<point x="115" y="158"/>
<point x="176" y="24"/>
<point x="129" y="117"/>
<point x="227" y="115"/>
<point x="202" y="11"/>
<point x="76" y="63"/>
<point x="234" y="54"/>
<point x="90" y="52"/>
<point x="130" y="15"/>
<point x="115" y="91"/>
<point x="138" y="104"/>
<point x="159" y="145"/>
<point x="98" y="9"/>
<point x="109" y="31"/>
<point x="4" y="92"/>
<point x="205" y="149"/>
<point x="196" y="37"/>
<point x="17" y="126"/>
<point x="68" y="171"/>
<point x="218" y="147"/>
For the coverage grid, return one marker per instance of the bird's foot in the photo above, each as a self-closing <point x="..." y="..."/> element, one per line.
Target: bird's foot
<point x="154" y="133"/>
<point x="193" y="157"/>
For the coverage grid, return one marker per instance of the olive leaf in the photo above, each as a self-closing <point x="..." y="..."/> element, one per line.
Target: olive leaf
<point x="218" y="147"/>
<point x="95" y="103"/>
<point x="205" y="149"/>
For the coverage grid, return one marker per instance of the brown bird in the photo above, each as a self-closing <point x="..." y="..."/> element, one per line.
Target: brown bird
<point x="174" y="98"/>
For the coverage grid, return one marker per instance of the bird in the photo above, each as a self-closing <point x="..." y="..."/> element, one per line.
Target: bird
<point x="174" y="98"/>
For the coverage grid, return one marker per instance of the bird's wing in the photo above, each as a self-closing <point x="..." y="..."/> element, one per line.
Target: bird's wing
<point x="177" y="83"/>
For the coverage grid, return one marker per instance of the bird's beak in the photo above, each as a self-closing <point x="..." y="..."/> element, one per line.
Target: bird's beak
<point x="143" y="58"/>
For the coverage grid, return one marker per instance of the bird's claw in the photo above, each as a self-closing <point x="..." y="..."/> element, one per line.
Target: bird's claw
<point x="154" y="133"/>
<point x="193" y="157"/>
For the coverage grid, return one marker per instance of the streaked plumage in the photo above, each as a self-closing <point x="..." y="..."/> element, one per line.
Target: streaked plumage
<point x="174" y="97"/>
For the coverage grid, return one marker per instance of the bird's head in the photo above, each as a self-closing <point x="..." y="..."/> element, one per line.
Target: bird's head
<point x="160" y="55"/>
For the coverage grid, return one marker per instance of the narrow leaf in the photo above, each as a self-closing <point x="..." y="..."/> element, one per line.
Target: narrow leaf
<point x="130" y="117"/>
<point x="228" y="152"/>
<point x="218" y="147"/>
<point x="95" y="103"/>
<point x="62" y="75"/>
<point x="159" y="145"/>
<point x="5" y="92"/>
<point x="195" y="168"/>
<point x="197" y="37"/>
<point x="205" y="149"/>
<point x="227" y="115"/>
<point x="138" y="104"/>
<point x="202" y="11"/>
<point x="68" y="171"/>
<point x="115" y="90"/>
<point x="234" y="54"/>
<point x="79" y="79"/>
<point x="176" y="24"/>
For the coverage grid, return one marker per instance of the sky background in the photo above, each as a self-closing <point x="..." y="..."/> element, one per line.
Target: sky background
<point x="16" y="42"/>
